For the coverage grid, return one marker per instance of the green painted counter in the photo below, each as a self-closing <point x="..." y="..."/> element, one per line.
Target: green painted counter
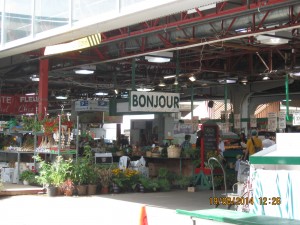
<point x="276" y="160"/>
<point x="234" y="217"/>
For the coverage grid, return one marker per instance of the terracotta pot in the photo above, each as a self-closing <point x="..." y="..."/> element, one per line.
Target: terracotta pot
<point x="68" y="192"/>
<point x="81" y="189"/>
<point x="104" y="190"/>
<point x="92" y="189"/>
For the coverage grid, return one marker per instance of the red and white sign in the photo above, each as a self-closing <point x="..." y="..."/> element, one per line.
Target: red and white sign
<point x="18" y="104"/>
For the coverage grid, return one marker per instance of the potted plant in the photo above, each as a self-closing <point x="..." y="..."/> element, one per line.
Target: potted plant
<point x="68" y="187"/>
<point x="80" y="176"/>
<point x="92" y="180"/>
<point x="44" y="176"/>
<point x="28" y="177"/>
<point x="105" y="175"/>
<point x="52" y="175"/>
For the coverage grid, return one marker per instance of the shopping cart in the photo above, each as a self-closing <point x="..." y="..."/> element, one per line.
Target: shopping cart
<point x="241" y="196"/>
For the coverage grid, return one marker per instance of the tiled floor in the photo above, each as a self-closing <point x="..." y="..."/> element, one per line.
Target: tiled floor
<point x="111" y="209"/>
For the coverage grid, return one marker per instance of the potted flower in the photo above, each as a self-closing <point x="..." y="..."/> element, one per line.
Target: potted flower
<point x="68" y="187"/>
<point x="28" y="177"/>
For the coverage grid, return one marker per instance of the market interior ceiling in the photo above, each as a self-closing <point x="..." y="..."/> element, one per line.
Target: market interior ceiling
<point x="240" y="41"/>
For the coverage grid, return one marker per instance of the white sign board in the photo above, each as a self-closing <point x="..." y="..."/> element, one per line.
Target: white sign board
<point x="253" y="121"/>
<point x="272" y="121"/>
<point x="154" y="101"/>
<point x="237" y="121"/>
<point x="82" y="105"/>
<point x="91" y="105"/>
<point x="296" y="119"/>
<point x="281" y="120"/>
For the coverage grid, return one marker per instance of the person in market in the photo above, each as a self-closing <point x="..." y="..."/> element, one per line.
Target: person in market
<point x="186" y="144"/>
<point x="254" y="144"/>
<point x="84" y="142"/>
<point x="221" y="150"/>
<point x="267" y="142"/>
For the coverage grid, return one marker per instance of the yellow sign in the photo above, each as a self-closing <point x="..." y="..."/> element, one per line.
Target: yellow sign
<point x="82" y="43"/>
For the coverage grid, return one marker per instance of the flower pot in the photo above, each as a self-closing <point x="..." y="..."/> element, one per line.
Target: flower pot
<point x="68" y="192"/>
<point x="104" y="190"/>
<point x="25" y="182"/>
<point x="116" y="189"/>
<point x="51" y="191"/>
<point x="91" y="189"/>
<point x="142" y="189"/>
<point x="81" y="189"/>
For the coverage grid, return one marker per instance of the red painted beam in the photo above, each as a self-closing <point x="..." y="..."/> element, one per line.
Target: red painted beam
<point x="190" y="21"/>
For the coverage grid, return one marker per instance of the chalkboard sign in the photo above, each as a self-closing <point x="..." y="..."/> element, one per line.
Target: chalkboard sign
<point x="210" y="134"/>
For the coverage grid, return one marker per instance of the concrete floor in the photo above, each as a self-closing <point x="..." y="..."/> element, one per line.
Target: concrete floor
<point x="111" y="209"/>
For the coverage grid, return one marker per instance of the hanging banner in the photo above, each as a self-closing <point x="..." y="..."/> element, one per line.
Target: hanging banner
<point x="253" y="121"/>
<point x="237" y="121"/>
<point x="272" y="121"/>
<point x="281" y="120"/>
<point x="154" y="101"/>
<point x="18" y="104"/>
<point x="296" y="118"/>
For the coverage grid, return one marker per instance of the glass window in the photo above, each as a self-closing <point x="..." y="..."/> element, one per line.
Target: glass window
<point x="85" y="9"/>
<point x="51" y="14"/>
<point x="17" y="19"/>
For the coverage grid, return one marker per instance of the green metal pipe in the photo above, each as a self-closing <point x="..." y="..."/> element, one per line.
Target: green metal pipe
<point x="287" y="98"/>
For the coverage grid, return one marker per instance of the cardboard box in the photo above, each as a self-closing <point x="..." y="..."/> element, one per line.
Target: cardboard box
<point x="191" y="189"/>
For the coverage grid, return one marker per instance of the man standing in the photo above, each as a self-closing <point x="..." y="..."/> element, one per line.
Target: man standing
<point x="267" y="142"/>
<point x="254" y="144"/>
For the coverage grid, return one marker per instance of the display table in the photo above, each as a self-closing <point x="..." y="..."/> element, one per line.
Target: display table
<point x="180" y="166"/>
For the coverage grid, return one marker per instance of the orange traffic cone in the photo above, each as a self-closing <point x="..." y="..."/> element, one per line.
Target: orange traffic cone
<point x="143" y="217"/>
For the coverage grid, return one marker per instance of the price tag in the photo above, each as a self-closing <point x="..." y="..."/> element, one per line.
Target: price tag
<point x="296" y="119"/>
<point x="253" y="121"/>
<point x="281" y="120"/>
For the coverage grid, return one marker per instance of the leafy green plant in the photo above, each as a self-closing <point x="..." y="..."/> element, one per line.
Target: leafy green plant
<point x="53" y="174"/>
<point x="183" y="181"/>
<point x="148" y="183"/>
<point x="31" y="123"/>
<point x="28" y="175"/>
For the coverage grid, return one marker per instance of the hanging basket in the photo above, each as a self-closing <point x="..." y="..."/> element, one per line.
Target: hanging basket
<point x="174" y="152"/>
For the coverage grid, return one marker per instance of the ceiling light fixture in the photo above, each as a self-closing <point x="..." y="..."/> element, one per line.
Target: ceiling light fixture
<point x="34" y="78"/>
<point x="172" y="76"/>
<point x="101" y="93"/>
<point x="271" y="39"/>
<point x="84" y="71"/>
<point x="176" y="81"/>
<point x="144" y="89"/>
<point x="31" y="93"/>
<point x="159" y="57"/>
<point x="244" y="81"/>
<point x="162" y="84"/>
<point x="88" y="69"/>
<point x="296" y="74"/>
<point x="192" y="78"/>
<point x="61" y="97"/>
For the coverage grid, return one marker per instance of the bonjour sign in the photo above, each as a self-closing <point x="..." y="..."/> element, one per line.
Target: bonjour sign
<point x="154" y="101"/>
